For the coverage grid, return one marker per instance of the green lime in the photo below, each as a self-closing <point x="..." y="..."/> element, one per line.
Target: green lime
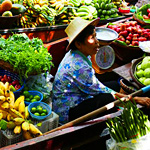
<point x="33" y="100"/>
<point x="26" y="94"/>
<point x="37" y="107"/>
<point x="45" y="111"/>
<point x="27" y="99"/>
<point x="33" y="109"/>
<point x="37" y="97"/>
<point x="37" y="114"/>
<point x="31" y="97"/>
<point x="39" y="110"/>
<point x="43" y="114"/>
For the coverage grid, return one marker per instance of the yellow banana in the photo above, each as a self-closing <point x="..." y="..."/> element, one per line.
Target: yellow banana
<point x="61" y="7"/>
<point x="2" y="98"/>
<point x="26" y="113"/>
<point x="35" y="131"/>
<point x="27" y="135"/>
<point x="11" y="125"/>
<point x="22" y="107"/>
<point x="2" y="92"/>
<point x="5" y="105"/>
<point x="12" y="99"/>
<point x="18" y="121"/>
<point x="58" y="5"/>
<point x="17" y="129"/>
<point x="25" y="126"/>
<point x="4" y="114"/>
<point x="1" y="115"/>
<point x="2" y="87"/>
<point x="52" y="1"/>
<point x="17" y="102"/>
<point x="15" y="113"/>
<point x="9" y="117"/>
<point x="7" y="89"/>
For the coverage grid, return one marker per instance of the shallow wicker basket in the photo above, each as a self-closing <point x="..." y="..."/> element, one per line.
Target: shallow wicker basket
<point x="7" y="22"/>
<point x="126" y="53"/>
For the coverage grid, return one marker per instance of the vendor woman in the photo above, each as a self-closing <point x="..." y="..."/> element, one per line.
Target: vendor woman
<point x="76" y="89"/>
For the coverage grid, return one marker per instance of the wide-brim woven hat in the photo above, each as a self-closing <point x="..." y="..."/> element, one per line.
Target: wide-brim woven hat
<point x="76" y="26"/>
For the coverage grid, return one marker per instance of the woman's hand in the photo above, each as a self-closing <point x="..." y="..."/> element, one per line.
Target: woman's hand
<point x="144" y="101"/>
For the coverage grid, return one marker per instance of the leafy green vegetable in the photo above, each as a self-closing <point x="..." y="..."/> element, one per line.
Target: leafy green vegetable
<point x="25" y="55"/>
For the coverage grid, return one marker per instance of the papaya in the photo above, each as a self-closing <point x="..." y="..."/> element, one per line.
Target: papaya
<point x="17" y="9"/>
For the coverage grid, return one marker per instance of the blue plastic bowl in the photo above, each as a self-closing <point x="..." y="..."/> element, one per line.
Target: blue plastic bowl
<point x="35" y="93"/>
<point x="17" y="94"/>
<point x="44" y="105"/>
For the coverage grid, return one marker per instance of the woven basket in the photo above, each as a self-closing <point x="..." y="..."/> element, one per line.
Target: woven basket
<point x="7" y="66"/>
<point x="126" y="53"/>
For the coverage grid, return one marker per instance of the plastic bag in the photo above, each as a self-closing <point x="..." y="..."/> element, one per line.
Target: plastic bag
<point x="142" y="143"/>
<point x="41" y="83"/>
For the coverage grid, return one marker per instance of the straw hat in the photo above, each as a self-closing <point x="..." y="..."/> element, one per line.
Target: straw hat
<point x="76" y="26"/>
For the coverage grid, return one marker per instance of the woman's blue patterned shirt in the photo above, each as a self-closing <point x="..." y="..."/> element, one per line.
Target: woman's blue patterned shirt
<point x="74" y="82"/>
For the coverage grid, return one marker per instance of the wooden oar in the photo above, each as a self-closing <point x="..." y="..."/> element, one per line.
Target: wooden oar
<point x="99" y="110"/>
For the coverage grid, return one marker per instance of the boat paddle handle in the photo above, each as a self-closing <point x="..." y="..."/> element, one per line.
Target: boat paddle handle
<point x="99" y="110"/>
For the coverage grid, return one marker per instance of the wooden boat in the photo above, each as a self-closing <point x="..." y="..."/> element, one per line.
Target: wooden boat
<point x="85" y="136"/>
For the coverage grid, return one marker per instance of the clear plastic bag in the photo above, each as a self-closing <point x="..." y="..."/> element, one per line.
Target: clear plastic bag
<point x="41" y="83"/>
<point x="142" y="143"/>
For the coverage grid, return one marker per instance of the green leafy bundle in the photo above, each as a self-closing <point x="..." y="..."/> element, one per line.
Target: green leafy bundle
<point x="24" y="55"/>
<point x="132" y="124"/>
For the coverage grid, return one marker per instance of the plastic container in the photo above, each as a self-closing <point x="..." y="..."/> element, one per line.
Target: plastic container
<point x="48" y="124"/>
<point x="17" y="94"/>
<point x="8" y="137"/>
<point x="44" y="105"/>
<point x="124" y="10"/>
<point x="35" y="93"/>
<point x="13" y="76"/>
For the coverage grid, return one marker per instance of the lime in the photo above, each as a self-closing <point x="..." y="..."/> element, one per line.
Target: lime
<point x="27" y="99"/>
<point x="33" y="100"/>
<point x="26" y="94"/>
<point x="31" y="97"/>
<point x="43" y="114"/>
<point x="33" y="109"/>
<point x="37" y="97"/>
<point x="45" y="111"/>
<point x="39" y="110"/>
<point x="37" y="107"/>
<point x="37" y="114"/>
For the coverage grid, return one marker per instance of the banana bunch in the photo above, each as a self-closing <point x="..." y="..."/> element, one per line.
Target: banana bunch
<point x="9" y="108"/>
<point x="36" y="2"/>
<point x="37" y="16"/>
<point x="86" y="12"/>
<point x="59" y="4"/>
<point x="29" y="130"/>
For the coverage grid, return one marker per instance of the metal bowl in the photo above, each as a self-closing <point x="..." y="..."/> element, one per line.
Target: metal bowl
<point x="133" y="69"/>
<point x="106" y="34"/>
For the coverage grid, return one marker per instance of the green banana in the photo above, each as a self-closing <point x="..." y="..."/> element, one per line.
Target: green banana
<point x="81" y="14"/>
<point x="76" y="3"/>
<point x="83" y="8"/>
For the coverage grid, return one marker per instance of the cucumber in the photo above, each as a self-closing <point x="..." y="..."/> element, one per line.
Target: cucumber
<point x="17" y="9"/>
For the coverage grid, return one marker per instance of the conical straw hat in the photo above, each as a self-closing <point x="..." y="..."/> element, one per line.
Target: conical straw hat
<point x="76" y="26"/>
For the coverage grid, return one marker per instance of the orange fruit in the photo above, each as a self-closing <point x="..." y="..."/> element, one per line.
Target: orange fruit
<point x="6" y="5"/>
<point x="0" y="9"/>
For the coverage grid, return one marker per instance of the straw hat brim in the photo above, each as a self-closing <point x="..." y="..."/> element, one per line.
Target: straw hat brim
<point x="79" y="30"/>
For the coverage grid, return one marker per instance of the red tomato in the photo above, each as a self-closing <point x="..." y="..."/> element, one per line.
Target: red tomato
<point x="148" y="10"/>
